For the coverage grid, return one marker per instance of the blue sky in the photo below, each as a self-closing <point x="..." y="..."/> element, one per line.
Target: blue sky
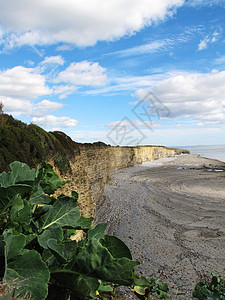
<point x="123" y="72"/>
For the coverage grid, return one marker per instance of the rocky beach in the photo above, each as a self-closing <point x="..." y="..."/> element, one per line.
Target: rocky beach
<point x="171" y="214"/>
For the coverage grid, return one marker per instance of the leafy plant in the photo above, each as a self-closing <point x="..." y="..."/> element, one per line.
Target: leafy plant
<point x="214" y="290"/>
<point x="153" y="289"/>
<point x="36" y="252"/>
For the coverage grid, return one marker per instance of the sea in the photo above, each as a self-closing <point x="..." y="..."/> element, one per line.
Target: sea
<point x="214" y="152"/>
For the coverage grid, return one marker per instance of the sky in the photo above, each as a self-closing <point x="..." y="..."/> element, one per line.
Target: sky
<point x="124" y="72"/>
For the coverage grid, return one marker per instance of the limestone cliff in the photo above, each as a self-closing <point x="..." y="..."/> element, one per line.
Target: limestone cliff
<point x="93" y="167"/>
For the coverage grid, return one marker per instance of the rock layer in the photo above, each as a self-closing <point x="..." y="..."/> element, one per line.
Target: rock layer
<point x="93" y="167"/>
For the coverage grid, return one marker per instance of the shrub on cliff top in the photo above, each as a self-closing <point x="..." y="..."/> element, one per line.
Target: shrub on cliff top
<point x="32" y="145"/>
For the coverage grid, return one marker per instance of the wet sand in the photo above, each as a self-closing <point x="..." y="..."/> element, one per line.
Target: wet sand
<point x="171" y="214"/>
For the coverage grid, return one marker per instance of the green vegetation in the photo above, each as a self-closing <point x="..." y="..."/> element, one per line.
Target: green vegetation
<point x="32" y="145"/>
<point x="37" y="254"/>
<point x="213" y="290"/>
<point x="38" y="258"/>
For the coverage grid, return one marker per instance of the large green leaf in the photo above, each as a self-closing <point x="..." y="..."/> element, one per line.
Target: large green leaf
<point x="50" y="233"/>
<point x="30" y="274"/>
<point x="21" y="211"/>
<point x="97" y="231"/>
<point x="14" y="244"/>
<point x="20" y="172"/>
<point x="39" y="197"/>
<point x="52" y="239"/>
<point x="62" y="213"/>
<point x="50" y="181"/>
<point x="80" y="286"/>
<point x="50" y="260"/>
<point x="7" y="195"/>
<point x="116" y="247"/>
<point x="95" y="260"/>
<point x="59" y="252"/>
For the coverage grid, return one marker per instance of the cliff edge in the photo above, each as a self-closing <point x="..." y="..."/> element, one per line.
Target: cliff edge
<point x="87" y="166"/>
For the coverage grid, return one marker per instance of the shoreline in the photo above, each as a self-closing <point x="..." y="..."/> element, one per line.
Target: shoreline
<point x="171" y="214"/>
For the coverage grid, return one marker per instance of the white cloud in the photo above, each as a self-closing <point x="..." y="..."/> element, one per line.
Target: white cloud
<point x="192" y="94"/>
<point x="78" y="22"/>
<point x="46" y="106"/>
<point x="217" y="118"/>
<point x="64" y="90"/>
<point x="49" y="66"/>
<point x="203" y="44"/>
<point x="83" y="73"/>
<point x="16" y="106"/>
<point x="53" y="121"/>
<point x="58" y="60"/>
<point x="128" y="83"/>
<point x="203" y="2"/>
<point x="209" y="39"/>
<point x="26" y="107"/>
<point x="22" y="82"/>
<point x="220" y="60"/>
<point x="64" y="47"/>
<point x="161" y="45"/>
<point x="20" y="87"/>
<point x="1" y="35"/>
<point x="146" y="48"/>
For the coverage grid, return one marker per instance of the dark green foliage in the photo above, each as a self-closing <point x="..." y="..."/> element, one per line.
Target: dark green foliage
<point x="152" y="289"/>
<point x="32" y="145"/>
<point x="36" y="252"/>
<point x="39" y="258"/>
<point x="213" y="290"/>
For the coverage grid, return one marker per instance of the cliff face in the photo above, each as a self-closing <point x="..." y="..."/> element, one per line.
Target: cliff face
<point x="93" y="167"/>
<point x="87" y="166"/>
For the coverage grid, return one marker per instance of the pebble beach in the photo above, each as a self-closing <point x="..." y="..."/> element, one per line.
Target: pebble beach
<point x="171" y="214"/>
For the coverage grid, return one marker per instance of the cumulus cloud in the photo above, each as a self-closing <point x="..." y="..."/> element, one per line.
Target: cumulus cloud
<point x="16" y="106"/>
<point x="53" y="121"/>
<point x="20" y="87"/>
<point x="26" y="107"/>
<point x="192" y="94"/>
<point x="78" y="22"/>
<point x="22" y="82"/>
<point x="83" y="73"/>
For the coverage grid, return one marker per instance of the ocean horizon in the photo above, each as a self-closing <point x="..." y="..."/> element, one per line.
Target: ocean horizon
<point x="209" y="151"/>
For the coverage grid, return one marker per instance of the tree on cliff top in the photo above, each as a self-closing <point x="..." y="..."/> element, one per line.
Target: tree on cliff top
<point x="1" y="113"/>
<point x="1" y="107"/>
